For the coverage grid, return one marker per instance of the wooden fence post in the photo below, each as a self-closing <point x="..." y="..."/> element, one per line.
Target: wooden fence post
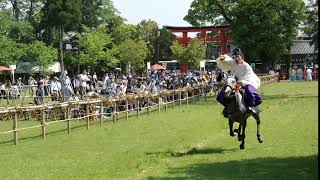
<point x="166" y="103"/>
<point x="159" y="105"/>
<point x="43" y="124"/>
<point x="15" y="127"/>
<point x="180" y="98"/>
<point x="192" y="94"/>
<point x="127" y="110"/>
<point x="148" y="105"/>
<point x="101" y="113"/>
<point x="117" y="113"/>
<point x="114" y="111"/>
<point x="87" y="114"/>
<point x="187" y="97"/>
<point x="138" y="107"/>
<point x="173" y="100"/>
<point x="68" y="119"/>
<point x="205" y="93"/>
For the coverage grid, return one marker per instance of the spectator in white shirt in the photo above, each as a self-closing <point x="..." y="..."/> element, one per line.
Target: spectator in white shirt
<point x="83" y="82"/>
<point x="54" y="87"/>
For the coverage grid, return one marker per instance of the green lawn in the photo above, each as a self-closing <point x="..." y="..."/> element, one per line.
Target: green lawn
<point x="188" y="142"/>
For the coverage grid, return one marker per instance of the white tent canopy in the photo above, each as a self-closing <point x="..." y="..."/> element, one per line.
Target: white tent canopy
<point x="27" y="67"/>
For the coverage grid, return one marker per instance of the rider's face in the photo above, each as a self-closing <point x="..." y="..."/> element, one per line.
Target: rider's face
<point x="239" y="59"/>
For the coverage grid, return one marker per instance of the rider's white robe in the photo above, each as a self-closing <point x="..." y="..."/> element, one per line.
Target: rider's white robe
<point x="243" y="72"/>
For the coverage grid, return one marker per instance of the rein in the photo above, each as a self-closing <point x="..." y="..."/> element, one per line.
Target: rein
<point x="229" y="86"/>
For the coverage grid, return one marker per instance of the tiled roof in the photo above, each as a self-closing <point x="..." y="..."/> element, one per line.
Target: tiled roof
<point x="302" y="47"/>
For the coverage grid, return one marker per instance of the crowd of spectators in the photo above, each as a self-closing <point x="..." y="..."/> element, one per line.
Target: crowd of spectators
<point x="65" y="88"/>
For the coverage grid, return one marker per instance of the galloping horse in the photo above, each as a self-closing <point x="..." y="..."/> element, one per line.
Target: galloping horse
<point x="238" y="111"/>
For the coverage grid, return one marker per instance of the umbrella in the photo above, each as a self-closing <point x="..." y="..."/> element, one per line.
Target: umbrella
<point x="4" y="68"/>
<point x="158" y="67"/>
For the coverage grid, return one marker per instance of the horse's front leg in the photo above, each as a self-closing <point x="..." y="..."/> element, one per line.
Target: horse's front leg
<point x="231" y="127"/>
<point x="239" y="132"/>
<point x="243" y="136"/>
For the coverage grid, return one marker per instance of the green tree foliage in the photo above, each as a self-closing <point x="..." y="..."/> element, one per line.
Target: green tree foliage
<point x="204" y="12"/>
<point x="10" y="52"/>
<point x="263" y="29"/>
<point x="97" y="49"/>
<point x="195" y="52"/>
<point x="23" y="9"/>
<point x="179" y="52"/>
<point x="124" y="32"/>
<point x="20" y="31"/>
<point x="164" y="41"/>
<point x="97" y="12"/>
<point x="148" y="30"/>
<point x="190" y="55"/>
<point x="91" y="13"/>
<point x="311" y="23"/>
<point x="5" y="21"/>
<point x="110" y="16"/>
<point x="64" y="16"/>
<point x="17" y="43"/>
<point x="134" y="52"/>
<point x="39" y="54"/>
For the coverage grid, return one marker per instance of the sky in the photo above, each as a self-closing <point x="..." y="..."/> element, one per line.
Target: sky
<point x="164" y="12"/>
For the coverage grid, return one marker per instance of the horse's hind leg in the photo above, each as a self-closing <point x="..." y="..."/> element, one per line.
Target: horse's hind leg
<point x="231" y="127"/>
<point x="257" y="118"/>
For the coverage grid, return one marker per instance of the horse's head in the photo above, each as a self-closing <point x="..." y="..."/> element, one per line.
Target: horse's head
<point x="232" y="96"/>
<point x="230" y="83"/>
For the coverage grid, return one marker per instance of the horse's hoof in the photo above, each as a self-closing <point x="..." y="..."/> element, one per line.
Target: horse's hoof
<point x="260" y="140"/>
<point x="241" y="146"/>
<point x="232" y="134"/>
<point x="235" y="130"/>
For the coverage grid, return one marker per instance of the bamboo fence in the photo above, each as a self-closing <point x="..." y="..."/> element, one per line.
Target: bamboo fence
<point x="102" y="109"/>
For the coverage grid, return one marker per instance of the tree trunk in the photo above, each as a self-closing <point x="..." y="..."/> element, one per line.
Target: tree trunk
<point x="60" y="53"/>
<point x="15" y="10"/>
<point x="31" y="10"/>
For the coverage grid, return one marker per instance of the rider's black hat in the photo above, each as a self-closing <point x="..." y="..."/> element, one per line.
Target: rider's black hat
<point x="237" y="51"/>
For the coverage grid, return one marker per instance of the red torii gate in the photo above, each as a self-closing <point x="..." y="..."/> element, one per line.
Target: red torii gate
<point x="222" y="38"/>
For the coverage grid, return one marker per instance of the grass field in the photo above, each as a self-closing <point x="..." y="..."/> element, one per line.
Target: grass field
<point x="188" y="142"/>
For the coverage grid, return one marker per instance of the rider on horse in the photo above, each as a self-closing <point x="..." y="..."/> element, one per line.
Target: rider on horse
<point x="245" y="76"/>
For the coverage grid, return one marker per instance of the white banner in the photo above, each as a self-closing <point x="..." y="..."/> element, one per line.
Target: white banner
<point x="148" y="66"/>
<point x="12" y="67"/>
<point x="202" y="64"/>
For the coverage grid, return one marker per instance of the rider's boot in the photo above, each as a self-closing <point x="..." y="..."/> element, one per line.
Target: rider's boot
<point x="254" y="109"/>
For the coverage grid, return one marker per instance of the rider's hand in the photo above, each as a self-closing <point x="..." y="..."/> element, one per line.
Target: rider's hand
<point x="240" y="84"/>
